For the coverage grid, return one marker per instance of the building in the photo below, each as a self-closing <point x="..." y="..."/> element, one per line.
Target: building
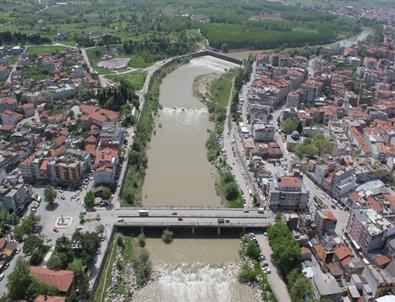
<point x="8" y="103"/>
<point x="106" y="167"/>
<point x="367" y="229"/>
<point x="8" y="160"/>
<point x="111" y="136"/>
<point x="45" y="298"/>
<point x="326" y="287"/>
<point x="263" y="132"/>
<point x="325" y="222"/>
<point x="61" y="280"/>
<point x="70" y="168"/>
<point x="287" y="194"/>
<point x="14" y="196"/>
<point x="376" y="281"/>
<point x="9" y="117"/>
<point x="342" y="182"/>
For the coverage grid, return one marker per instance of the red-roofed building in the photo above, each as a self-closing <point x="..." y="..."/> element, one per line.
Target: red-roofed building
<point x="45" y="298"/>
<point x="8" y="103"/>
<point x="382" y="261"/>
<point x="61" y="280"/>
<point x="10" y="117"/>
<point x="106" y="167"/>
<point x="325" y="222"/>
<point x="287" y="194"/>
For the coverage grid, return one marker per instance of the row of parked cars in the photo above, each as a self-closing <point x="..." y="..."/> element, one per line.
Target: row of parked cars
<point x="264" y="265"/>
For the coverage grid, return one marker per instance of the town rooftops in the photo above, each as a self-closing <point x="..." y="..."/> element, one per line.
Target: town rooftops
<point x="326" y="285"/>
<point x="45" y="298"/>
<point x="287" y="181"/>
<point x="61" y="280"/>
<point x="328" y="215"/>
<point x="343" y="252"/>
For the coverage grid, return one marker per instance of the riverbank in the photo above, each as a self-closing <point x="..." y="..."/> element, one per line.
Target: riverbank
<point x="134" y="179"/>
<point x="251" y="272"/>
<point x="217" y="93"/>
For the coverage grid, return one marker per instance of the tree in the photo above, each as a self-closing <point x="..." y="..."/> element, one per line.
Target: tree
<point x="231" y="191"/>
<point x="167" y="236"/>
<point x="253" y="250"/>
<point x="19" y="282"/>
<point x="247" y="274"/>
<point x="49" y="194"/>
<point x="70" y="114"/>
<point x="106" y="195"/>
<point x="225" y="47"/>
<point x="290" y="125"/>
<point x="89" y="199"/>
<point x="141" y="240"/>
<point x="25" y="227"/>
<point x="32" y="244"/>
<point x="299" y="286"/>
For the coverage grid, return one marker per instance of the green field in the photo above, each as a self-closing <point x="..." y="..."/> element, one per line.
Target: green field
<point x="45" y="50"/>
<point x="136" y="79"/>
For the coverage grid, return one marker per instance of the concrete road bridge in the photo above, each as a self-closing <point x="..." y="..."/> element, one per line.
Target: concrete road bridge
<point x="193" y="218"/>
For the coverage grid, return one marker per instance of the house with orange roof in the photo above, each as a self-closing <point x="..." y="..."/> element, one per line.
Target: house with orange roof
<point x="106" y="167"/>
<point x="46" y="298"/>
<point x="61" y="280"/>
<point x="325" y="222"/>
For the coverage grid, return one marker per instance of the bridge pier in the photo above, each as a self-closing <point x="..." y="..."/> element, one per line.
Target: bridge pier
<point x="141" y="229"/>
<point x="193" y="230"/>
<point x="218" y="231"/>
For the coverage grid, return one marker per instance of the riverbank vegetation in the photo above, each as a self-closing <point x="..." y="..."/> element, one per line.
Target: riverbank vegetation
<point x="131" y="189"/>
<point x="126" y="269"/>
<point x="287" y="254"/>
<point x="251" y="272"/>
<point x="217" y="99"/>
<point x="167" y="236"/>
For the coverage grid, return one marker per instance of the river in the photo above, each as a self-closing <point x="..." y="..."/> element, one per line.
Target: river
<point x="179" y="174"/>
<point x="366" y="31"/>
<point x="194" y="270"/>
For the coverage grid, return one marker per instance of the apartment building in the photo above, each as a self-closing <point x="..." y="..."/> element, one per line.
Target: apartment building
<point x="367" y="229"/>
<point x="287" y="194"/>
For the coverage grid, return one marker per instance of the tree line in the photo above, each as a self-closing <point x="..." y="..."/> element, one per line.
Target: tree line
<point x="7" y="37"/>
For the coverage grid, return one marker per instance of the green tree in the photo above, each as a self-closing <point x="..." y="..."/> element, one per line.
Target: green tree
<point x="32" y="244"/>
<point x="49" y="194"/>
<point x="290" y="125"/>
<point x="299" y="286"/>
<point x="247" y="274"/>
<point x="89" y="199"/>
<point x="167" y="236"/>
<point x="253" y="250"/>
<point x="225" y="47"/>
<point x="231" y="191"/>
<point x="142" y="267"/>
<point x="141" y="240"/>
<point x="26" y="225"/>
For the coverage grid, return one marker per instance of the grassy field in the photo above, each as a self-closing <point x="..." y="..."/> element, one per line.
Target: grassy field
<point x="44" y="50"/>
<point x="136" y="79"/>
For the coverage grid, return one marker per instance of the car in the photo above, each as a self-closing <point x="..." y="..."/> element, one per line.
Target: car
<point x="265" y="264"/>
<point x="120" y="219"/>
<point x="1" y="277"/>
<point x="7" y="265"/>
<point x="55" y="229"/>
<point x="267" y="270"/>
<point x="180" y="219"/>
<point x="18" y="250"/>
<point x="174" y="213"/>
<point x="333" y="206"/>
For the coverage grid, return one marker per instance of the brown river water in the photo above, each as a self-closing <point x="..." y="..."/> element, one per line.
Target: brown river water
<point x="178" y="174"/>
